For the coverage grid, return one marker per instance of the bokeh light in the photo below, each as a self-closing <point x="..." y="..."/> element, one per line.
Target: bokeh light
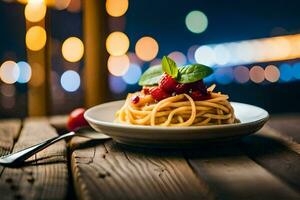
<point x="9" y="72"/>
<point x="251" y="51"/>
<point x="70" y="81"/>
<point x="233" y="48"/>
<point x="37" y="76"/>
<point x="22" y="1"/>
<point x="245" y="52"/>
<point x="118" y="65"/>
<point x="117" y="43"/>
<point x="133" y="74"/>
<point x="35" y="12"/>
<point x="178" y="57"/>
<point x="58" y="4"/>
<point x="8" y="90"/>
<point x="241" y="74"/>
<point x="146" y="48"/>
<point x="25" y="72"/>
<point x="296" y="70"/>
<point x="61" y="4"/>
<point x="196" y="21"/>
<point x="116" y="84"/>
<point x="272" y="73"/>
<point x="280" y="48"/>
<point x="224" y="75"/>
<point x="37" y="1"/>
<point x="257" y="74"/>
<point x="222" y="55"/>
<point x="191" y="53"/>
<point x="286" y="72"/>
<point x="72" y="49"/>
<point x="36" y="38"/>
<point x="116" y="8"/>
<point x="205" y="55"/>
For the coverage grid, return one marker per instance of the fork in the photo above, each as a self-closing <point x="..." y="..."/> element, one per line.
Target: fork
<point x="17" y="158"/>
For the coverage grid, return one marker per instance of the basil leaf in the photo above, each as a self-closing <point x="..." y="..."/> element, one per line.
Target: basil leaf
<point x="151" y="76"/>
<point x="193" y="73"/>
<point x="169" y="66"/>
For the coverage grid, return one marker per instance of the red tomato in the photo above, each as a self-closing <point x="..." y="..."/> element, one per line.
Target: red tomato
<point x="76" y="119"/>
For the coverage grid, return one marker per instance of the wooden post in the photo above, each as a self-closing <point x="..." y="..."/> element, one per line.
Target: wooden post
<point x="39" y="85"/>
<point x="95" y="69"/>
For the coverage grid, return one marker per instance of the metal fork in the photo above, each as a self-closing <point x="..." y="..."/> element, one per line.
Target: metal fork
<point x="17" y="158"/>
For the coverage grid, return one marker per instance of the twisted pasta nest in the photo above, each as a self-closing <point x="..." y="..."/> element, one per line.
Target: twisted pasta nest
<point x="179" y="110"/>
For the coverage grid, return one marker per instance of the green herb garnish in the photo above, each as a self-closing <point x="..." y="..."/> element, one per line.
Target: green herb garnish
<point x="169" y="66"/>
<point x="151" y="76"/>
<point x="185" y="74"/>
<point x="193" y="73"/>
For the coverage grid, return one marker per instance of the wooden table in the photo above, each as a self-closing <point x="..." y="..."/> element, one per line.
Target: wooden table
<point x="265" y="165"/>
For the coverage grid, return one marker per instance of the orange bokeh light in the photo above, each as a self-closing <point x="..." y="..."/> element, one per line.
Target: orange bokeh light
<point x="72" y="49"/>
<point x="60" y="4"/>
<point x="35" y="12"/>
<point x="272" y="73"/>
<point x="257" y="74"/>
<point x="118" y="65"/>
<point x="146" y="48"/>
<point x="117" y="43"/>
<point x="36" y="38"/>
<point x="116" y="8"/>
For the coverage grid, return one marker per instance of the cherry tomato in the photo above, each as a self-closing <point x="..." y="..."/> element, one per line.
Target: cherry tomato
<point x="76" y="119"/>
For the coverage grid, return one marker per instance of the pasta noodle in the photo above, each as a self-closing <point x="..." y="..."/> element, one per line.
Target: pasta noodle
<point x="178" y="111"/>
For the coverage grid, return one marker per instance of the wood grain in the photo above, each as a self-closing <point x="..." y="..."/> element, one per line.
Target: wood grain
<point x="59" y="122"/>
<point x="109" y="171"/>
<point x="288" y="125"/>
<point x="9" y="132"/>
<point x="274" y="152"/>
<point x="232" y="175"/>
<point x="46" y="176"/>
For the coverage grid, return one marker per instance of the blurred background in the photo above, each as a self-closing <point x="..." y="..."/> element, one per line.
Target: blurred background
<point x="56" y="55"/>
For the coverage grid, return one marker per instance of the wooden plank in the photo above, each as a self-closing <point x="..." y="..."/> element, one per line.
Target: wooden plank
<point x="59" y="122"/>
<point x="279" y="137"/>
<point x="288" y="125"/>
<point x="108" y="171"/>
<point x="46" y="176"/>
<point x="9" y="131"/>
<point x="233" y="175"/>
<point x="278" y="155"/>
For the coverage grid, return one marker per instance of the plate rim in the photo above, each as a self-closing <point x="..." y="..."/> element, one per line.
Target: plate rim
<point x="172" y="129"/>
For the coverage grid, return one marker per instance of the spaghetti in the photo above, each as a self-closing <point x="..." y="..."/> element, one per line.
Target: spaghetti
<point x="178" y="111"/>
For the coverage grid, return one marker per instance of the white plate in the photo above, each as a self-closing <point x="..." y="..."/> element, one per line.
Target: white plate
<point x="101" y="118"/>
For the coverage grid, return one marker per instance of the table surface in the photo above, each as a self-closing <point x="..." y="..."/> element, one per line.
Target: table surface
<point x="264" y="165"/>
